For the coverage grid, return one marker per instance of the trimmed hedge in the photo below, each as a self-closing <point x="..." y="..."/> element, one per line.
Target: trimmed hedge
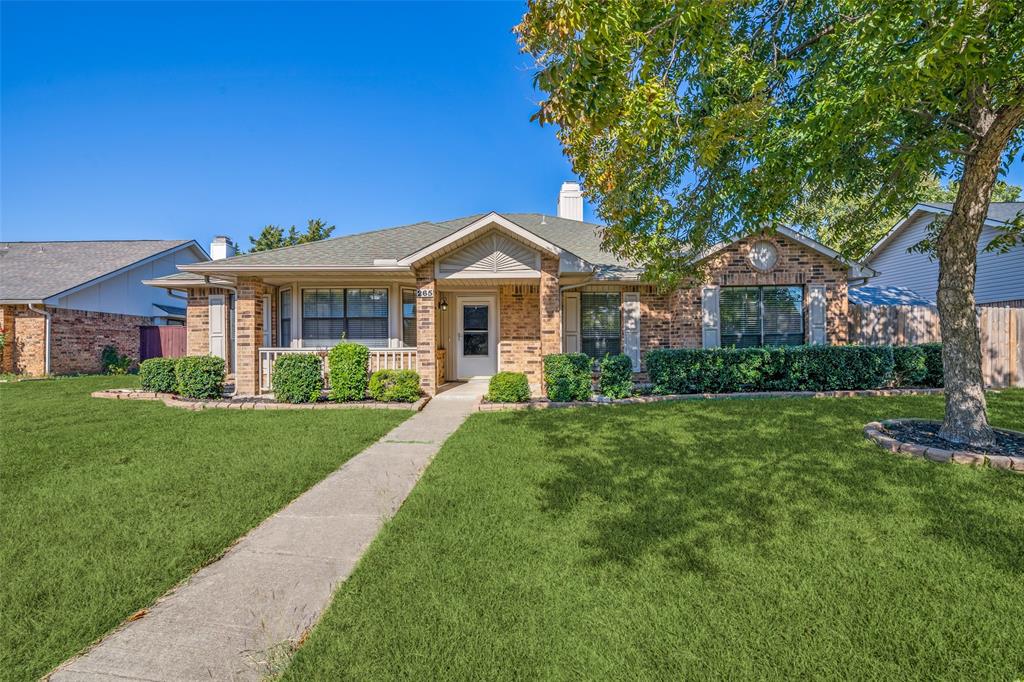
<point x="910" y="367"/>
<point x="567" y="377"/>
<point x="933" y="378"/>
<point x="787" y="368"/>
<point x="395" y="386"/>
<point x="200" y="376"/>
<point x="616" y="376"/>
<point x="157" y="374"/>
<point x="509" y="387"/>
<point x="297" y="378"/>
<point x="348" y="368"/>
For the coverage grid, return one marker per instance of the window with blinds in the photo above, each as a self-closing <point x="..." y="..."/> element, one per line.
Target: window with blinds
<point x="761" y="316"/>
<point x="285" y="315"/>
<point x="601" y="323"/>
<point x="359" y="315"/>
<point x="409" y="317"/>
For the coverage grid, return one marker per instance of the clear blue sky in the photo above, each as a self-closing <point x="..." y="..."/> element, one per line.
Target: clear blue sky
<point x="147" y="120"/>
<point x="181" y="120"/>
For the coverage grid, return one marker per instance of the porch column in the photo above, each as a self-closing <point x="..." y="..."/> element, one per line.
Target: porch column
<point x="550" y="307"/>
<point x="426" y="338"/>
<point x="248" y="336"/>
<point x="7" y="327"/>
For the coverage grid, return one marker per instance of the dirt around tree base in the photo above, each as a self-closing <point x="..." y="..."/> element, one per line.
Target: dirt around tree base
<point x="920" y="438"/>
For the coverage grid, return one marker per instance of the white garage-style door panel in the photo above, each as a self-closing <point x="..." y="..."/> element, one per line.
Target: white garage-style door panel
<point x="476" y="340"/>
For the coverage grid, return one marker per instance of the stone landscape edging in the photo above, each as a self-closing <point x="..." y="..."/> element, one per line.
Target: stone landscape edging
<point x="541" y="404"/>
<point x="172" y="400"/>
<point x="875" y="432"/>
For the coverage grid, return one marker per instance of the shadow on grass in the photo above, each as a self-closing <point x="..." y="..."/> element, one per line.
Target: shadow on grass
<point x="685" y="482"/>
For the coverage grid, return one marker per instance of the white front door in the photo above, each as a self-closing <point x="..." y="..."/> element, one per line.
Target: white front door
<point x="475" y="341"/>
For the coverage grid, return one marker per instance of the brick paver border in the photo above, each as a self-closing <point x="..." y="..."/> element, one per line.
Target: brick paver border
<point x="878" y="433"/>
<point x="173" y="400"/>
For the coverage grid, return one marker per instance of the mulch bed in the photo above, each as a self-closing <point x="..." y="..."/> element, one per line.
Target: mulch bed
<point x="926" y="433"/>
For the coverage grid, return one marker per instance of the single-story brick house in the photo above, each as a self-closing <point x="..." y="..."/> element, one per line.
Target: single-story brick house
<point x="491" y="292"/>
<point x="62" y="302"/>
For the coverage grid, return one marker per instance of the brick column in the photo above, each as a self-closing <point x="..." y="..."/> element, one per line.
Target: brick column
<point x="197" y="321"/>
<point x="426" y="342"/>
<point x="248" y="336"/>
<point x="550" y="307"/>
<point x="7" y="324"/>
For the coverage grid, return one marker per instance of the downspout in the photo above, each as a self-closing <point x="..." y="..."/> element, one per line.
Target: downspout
<point x="47" y="315"/>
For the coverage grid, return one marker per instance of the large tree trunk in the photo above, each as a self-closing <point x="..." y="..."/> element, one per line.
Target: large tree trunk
<point x="957" y="248"/>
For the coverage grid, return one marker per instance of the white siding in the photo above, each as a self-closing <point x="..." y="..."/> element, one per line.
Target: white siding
<point x="126" y="294"/>
<point x="1000" y="275"/>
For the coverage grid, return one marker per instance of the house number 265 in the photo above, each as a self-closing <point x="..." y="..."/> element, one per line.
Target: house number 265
<point x="424" y="293"/>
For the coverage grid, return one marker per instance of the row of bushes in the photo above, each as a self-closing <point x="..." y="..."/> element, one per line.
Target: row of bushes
<point x="198" y="376"/>
<point x="568" y="376"/>
<point x="297" y="377"/>
<point x="794" y="368"/>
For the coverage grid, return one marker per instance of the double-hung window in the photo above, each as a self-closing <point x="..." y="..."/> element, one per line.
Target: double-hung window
<point x="359" y="315"/>
<point x="762" y="316"/>
<point x="409" y="318"/>
<point x="285" y="315"/>
<point x="601" y="323"/>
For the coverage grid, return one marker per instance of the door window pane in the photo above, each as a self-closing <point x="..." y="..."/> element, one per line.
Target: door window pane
<point x="474" y="343"/>
<point x="474" y="317"/>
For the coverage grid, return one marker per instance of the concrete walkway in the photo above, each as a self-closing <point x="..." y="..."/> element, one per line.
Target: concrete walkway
<point x="236" y="618"/>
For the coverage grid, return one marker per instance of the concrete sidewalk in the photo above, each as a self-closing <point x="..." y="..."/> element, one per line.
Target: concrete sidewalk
<point x="236" y="618"/>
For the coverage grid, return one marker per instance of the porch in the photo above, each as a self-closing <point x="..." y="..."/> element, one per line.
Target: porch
<point x="380" y="358"/>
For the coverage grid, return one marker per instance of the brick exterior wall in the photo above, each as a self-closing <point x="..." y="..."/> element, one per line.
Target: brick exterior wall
<point x="77" y="339"/>
<point x="550" y="306"/>
<point x="248" y="335"/>
<point x="7" y="325"/>
<point x="519" y="342"/>
<point x="797" y="266"/>
<point x="426" y="339"/>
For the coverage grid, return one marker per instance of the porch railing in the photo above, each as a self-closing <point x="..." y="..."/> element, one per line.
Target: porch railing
<point x="380" y="358"/>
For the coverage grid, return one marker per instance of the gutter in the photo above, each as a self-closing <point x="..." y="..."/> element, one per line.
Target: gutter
<point x="46" y="314"/>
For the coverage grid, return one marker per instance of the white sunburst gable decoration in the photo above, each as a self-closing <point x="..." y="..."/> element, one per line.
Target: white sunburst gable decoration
<point x="493" y="254"/>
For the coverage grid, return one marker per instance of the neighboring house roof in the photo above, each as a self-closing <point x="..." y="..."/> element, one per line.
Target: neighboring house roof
<point x="999" y="213"/>
<point x="31" y="272"/>
<point x="875" y="295"/>
<point x="396" y="249"/>
<point x="172" y="310"/>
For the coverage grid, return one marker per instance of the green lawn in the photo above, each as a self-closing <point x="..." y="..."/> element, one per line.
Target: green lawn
<point x="701" y="540"/>
<point x="107" y="504"/>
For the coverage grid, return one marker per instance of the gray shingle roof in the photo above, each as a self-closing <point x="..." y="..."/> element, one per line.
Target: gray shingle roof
<point x="33" y="271"/>
<point x="1004" y="211"/>
<point x="360" y="250"/>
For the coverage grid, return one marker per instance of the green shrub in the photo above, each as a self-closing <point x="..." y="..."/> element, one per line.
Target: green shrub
<point x="157" y="374"/>
<point x="509" y="387"/>
<point x="567" y="376"/>
<point x="933" y="378"/>
<point x="115" y="363"/>
<point x="395" y="386"/>
<point x="910" y="367"/>
<point x="297" y="378"/>
<point x="200" y="376"/>
<point x="348" y="368"/>
<point x="616" y="376"/>
<point x="787" y="368"/>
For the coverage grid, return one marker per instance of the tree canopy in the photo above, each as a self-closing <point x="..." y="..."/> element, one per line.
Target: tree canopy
<point x="274" y="236"/>
<point x="695" y="122"/>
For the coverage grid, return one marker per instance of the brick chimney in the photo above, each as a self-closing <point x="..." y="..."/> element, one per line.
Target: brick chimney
<point x="570" y="201"/>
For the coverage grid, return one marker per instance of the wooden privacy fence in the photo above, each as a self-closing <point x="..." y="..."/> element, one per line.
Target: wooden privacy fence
<point x="1002" y="335"/>
<point x="161" y="341"/>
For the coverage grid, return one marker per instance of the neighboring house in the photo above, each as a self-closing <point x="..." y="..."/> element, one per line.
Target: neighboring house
<point x="1000" y="279"/>
<point x="476" y="295"/>
<point x="63" y="302"/>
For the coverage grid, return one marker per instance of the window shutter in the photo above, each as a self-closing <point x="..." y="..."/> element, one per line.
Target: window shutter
<point x="266" y="322"/>
<point x="216" y="325"/>
<point x="571" y="322"/>
<point x="817" y="307"/>
<point x="710" y="325"/>
<point x="631" y="327"/>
